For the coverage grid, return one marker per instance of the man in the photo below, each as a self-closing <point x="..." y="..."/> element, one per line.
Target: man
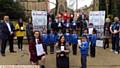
<point x="7" y="35"/>
<point x="29" y="30"/>
<point x="114" y="29"/>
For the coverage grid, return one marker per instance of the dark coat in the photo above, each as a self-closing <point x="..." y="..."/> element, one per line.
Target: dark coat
<point x="5" y="30"/>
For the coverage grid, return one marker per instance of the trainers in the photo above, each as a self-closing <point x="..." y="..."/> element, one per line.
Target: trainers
<point x="116" y="52"/>
<point x="111" y="50"/>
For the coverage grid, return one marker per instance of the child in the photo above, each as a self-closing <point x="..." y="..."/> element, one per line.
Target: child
<point x="45" y="40"/>
<point x="84" y="51"/>
<point x="67" y="37"/>
<point x="34" y="57"/>
<point x="74" y="42"/>
<point x="52" y="40"/>
<point x="93" y="44"/>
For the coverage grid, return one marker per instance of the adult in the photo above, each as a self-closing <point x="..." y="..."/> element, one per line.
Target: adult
<point x="20" y="33"/>
<point x="34" y="57"/>
<point x="7" y="35"/>
<point x="114" y="29"/>
<point x="107" y="33"/>
<point x="29" y="29"/>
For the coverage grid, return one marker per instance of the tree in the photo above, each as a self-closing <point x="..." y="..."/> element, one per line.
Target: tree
<point x="11" y="8"/>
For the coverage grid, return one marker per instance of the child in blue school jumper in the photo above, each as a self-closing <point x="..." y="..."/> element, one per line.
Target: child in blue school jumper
<point x="52" y="40"/>
<point x="84" y="51"/>
<point x="45" y="40"/>
<point x="93" y="44"/>
<point x="68" y="37"/>
<point x="74" y="42"/>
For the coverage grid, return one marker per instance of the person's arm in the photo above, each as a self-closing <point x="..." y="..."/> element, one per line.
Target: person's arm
<point x="111" y="29"/>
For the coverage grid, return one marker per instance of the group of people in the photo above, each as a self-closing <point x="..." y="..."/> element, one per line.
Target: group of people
<point x="60" y="32"/>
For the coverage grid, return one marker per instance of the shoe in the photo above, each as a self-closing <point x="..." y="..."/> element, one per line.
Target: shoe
<point x="12" y="51"/>
<point x="111" y="50"/>
<point x="3" y="54"/>
<point x="116" y="52"/>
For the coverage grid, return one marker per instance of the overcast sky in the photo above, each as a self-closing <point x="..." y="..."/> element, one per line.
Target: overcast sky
<point x="81" y="3"/>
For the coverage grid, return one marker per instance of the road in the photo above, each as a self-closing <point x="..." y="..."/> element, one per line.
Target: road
<point x="103" y="59"/>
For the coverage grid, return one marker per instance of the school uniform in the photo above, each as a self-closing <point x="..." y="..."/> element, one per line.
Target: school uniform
<point x="74" y="42"/>
<point x="68" y="37"/>
<point x="67" y="25"/>
<point x="52" y="40"/>
<point x="45" y="41"/>
<point x="93" y="45"/>
<point x="73" y="25"/>
<point x="84" y="52"/>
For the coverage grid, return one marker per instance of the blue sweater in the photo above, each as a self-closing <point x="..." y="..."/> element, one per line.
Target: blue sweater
<point x="84" y="48"/>
<point x="45" y="38"/>
<point x="68" y="37"/>
<point x="94" y="38"/>
<point x="74" y="39"/>
<point x="52" y="38"/>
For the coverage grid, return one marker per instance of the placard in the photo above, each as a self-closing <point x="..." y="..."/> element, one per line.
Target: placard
<point x="39" y="49"/>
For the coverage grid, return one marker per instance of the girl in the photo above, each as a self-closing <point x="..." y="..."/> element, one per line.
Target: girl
<point x="34" y="59"/>
<point x="20" y="33"/>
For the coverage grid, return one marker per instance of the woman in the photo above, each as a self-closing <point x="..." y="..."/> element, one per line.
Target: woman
<point x="62" y="58"/>
<point x="106" y="33"/>
<point x="20" y="33"/>
<point x="34" y="58"/>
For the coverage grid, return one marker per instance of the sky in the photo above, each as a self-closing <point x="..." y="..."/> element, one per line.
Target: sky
<point x="81" y="3"/>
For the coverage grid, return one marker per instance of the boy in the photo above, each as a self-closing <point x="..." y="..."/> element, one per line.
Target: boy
<point x="74" y="42"/>
<point x="84" y="51"/>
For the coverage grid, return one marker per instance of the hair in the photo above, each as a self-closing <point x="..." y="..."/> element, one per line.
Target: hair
<point x="39" y="36"/>
<point x="108" y="20"/>
<point x="59" y="41"/>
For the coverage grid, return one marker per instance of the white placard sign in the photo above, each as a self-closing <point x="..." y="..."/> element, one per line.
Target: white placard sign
<point x="39" y="20"/>
<point x="98" y="20"/>
<point x="62" y="48"/>
<point x="39" y="49"/>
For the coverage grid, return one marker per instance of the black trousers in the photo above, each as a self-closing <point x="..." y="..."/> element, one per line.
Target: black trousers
<point x="115" y="43"/>
<point x="52" y="48"/>
<point x="92" y="51"/>
<point x="4" y="42"/>
<point x="20" y="42"/>
<point x="45" y="47"/>
<point x="74" y="48"/>
<point x="83" y="61"/>
<point x="106" y="43"/>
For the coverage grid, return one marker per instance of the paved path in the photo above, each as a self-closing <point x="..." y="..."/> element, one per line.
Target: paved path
<point x="104" y="59"/>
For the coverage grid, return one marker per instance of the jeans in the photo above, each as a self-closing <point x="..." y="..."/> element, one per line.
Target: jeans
<point x="115" y="43"/>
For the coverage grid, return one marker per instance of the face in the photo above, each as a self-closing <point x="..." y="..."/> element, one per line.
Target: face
<point x="62" y="39"/>
<point x="85" y="31"/>
<point x="83" y="39"/>
<point x="30" y="20"/>
<point x="36" y="34"/>
<point x="20" y="20"/>
<point x="6" y="18"/>
<point x="116" y="19"/>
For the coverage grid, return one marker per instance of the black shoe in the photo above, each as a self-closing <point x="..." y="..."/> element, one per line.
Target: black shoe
<point x="42" y="66"/>
<point x="12" y="51"/>
<point x="3" y="54"/>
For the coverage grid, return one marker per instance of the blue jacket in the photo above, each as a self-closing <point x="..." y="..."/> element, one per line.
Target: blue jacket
<point x="45" y="38"/>
<point x="84" y="48"/>
<point x="52" y="38"/>
<point x="94" y="38"/>
<point x="68" y="37"/>
<point x="74" y="39"/>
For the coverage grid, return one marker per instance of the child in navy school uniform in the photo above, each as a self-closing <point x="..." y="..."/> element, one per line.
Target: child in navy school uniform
<point x="93" y="44"/>
<point x="52" y="40"/>
<point x="67" y="36"/>
<point x="84" y="51"/>
<point x="74" y="42"/>
<point x="45" y="40"/>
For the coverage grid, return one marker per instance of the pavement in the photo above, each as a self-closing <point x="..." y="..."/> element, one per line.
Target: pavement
<point x="103" y="59"/>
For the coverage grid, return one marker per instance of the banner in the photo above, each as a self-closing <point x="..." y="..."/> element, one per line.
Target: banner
<point x="39" y="20"/>
<point x="98" y="20"/>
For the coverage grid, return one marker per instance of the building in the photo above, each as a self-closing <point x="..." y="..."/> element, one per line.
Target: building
<point x="30" y="5"/>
